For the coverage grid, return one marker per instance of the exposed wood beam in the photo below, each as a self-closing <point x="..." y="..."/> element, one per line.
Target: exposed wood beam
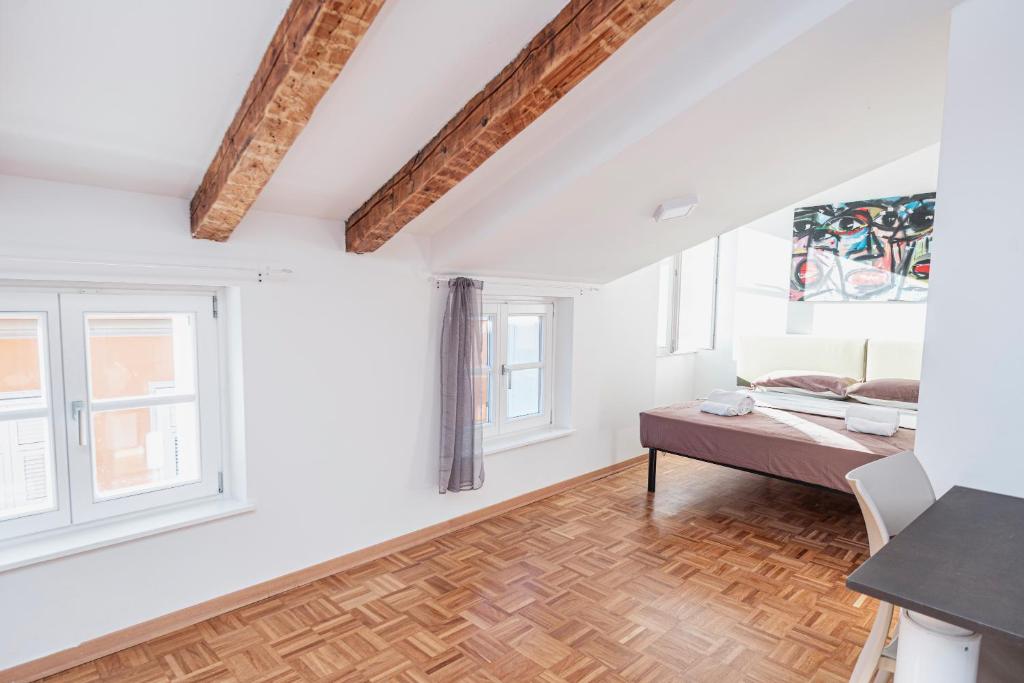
<point x="567" y="50"/>
<point x="309" y="49"/>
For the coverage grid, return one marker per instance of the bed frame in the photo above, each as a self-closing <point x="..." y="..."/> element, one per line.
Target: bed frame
<point x="652" y="471"/>
<point x="856" y="357"/>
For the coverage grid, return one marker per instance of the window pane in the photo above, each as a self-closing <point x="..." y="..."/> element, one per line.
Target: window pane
<point x="21" y="365"/>
<point x="142" y="449"/>
<point x="26" y="456"/>
<point x="484" y="363"/>
<point x="665" y="274"/>
<point x="697" y="287"/>
<point x="524" y="392"/>
<point x="487" y="342"/>
<point x="524" y="339"/>
<point x="26" y="467"/>
<point x="483" y="399"/>
<point x="140" y="355"/>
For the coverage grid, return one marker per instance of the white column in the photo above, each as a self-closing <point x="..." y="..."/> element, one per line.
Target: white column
<point x="974" y="342"/>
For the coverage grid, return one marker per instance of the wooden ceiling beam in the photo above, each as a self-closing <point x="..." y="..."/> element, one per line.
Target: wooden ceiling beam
<point x="309" y="49"/>
<point x="583" y="35"/>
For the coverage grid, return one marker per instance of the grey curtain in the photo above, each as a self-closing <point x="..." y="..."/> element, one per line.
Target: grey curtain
<point x="462" y="462"/>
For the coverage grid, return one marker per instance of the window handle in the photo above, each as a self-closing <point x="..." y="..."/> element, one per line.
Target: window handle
<point x="508" y="376"/>
<point x="78" y="412"/>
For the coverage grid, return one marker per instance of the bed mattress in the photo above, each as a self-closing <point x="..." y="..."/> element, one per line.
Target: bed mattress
<point x="810" y="448"/>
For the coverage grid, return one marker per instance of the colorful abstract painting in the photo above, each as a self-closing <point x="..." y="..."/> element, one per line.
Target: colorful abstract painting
<point x="873" y="250"/>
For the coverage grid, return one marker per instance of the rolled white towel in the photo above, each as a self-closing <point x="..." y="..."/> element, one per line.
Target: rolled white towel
<point x="728" y="403"/>
<point x="723" y="409"/>
<point x="872" y="420"/>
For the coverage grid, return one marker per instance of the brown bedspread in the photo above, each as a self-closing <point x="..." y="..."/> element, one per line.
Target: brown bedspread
<point x="808" y="448"/>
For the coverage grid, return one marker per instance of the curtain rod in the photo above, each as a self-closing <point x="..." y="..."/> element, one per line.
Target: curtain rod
<point x="260" y="273"/>
<point x="438" y="280"/>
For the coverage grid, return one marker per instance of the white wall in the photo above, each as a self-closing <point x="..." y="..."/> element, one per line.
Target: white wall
<point x="764" y="261"/>
<point x="340" y="386"/>
<point x="674" y="378"/>
<point x="753" y="296"/>
<point x="629" y="340"/>
<point x="973" y="360"/>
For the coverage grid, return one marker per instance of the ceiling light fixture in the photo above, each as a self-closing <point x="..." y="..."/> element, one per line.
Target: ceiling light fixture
<point x="675" y="208"/>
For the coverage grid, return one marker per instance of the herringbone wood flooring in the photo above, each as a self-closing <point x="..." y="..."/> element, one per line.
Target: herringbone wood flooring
<point x="720" y="576"/>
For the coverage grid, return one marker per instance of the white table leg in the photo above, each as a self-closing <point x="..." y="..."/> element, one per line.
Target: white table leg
<point x="932" y="651"/>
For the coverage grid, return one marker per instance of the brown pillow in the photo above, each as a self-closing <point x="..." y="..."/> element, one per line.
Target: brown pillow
<point x="819" y="384"/>
<point x="894" y="393"/>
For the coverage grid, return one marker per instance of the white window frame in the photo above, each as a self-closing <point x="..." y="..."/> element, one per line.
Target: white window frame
<point x="499" y="424"/>
<point x="669" y="329"/>
<point x="67" y="351"/>
<point x="490" y="313"/>
<point x="60" y="515"/>
<point x="85" y="505"/>
<point x="673" y="319"/>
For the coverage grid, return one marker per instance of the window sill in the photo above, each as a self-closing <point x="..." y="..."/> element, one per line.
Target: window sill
<point x="681" y="352"/>
<point x="500" y="444"/>
<point x="22" y="552"/>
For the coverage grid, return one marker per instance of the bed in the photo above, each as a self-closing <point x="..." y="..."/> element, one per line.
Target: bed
<point x="797" y="439"/>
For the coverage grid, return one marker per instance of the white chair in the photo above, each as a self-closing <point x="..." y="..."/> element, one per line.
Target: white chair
<point x="892" y="492"/>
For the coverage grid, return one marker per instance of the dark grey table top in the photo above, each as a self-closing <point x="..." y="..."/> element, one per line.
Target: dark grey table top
<point x="961" y="561"/>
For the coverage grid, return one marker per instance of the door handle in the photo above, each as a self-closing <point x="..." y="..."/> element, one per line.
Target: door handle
<point x="78" y="413"/>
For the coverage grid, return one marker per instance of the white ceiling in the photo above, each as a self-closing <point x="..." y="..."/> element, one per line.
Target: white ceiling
<point x="419" y="63"/>
<point x="129" y="94"/>
<point x="136" y="94"/>
<point x="751" y="104"/>
<point x="747" y="134"/>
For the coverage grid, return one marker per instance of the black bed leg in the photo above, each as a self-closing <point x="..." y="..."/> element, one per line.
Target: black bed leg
<point x="652" y="467"/>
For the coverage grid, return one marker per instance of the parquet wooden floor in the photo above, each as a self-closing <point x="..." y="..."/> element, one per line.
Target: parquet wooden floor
<point x="720" y="576"/>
